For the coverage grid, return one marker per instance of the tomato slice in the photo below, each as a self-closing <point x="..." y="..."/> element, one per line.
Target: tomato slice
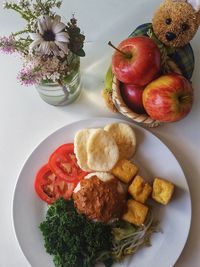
<point x="49" y="187"/>
<point x="63" y="163"/>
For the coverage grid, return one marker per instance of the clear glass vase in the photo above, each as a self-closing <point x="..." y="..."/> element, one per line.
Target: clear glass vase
<point x="65" y="92"/>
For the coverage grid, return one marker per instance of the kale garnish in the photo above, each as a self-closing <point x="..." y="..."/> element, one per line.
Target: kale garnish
<point x="74" y="240"/>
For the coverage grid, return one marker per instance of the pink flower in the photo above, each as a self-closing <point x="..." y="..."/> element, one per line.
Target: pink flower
<point x="7" y="44"/>
<point x="29" y="76"/>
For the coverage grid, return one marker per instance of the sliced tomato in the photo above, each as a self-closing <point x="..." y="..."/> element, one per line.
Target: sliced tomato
<point x="49" y="187"/>
<point x="63" y="163"/>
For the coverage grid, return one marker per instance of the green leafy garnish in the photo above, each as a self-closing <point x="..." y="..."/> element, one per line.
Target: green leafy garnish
<point x="75" y="241"/>
<point x="72" y="239"/>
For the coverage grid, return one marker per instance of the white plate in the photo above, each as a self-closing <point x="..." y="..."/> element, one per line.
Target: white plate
<point x="154" y="159"/>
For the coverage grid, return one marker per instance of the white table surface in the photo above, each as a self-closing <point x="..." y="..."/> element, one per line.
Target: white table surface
<point x="25" y="120"/>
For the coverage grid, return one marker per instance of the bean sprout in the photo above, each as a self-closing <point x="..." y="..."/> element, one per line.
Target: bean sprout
<point x="139" y="236"/>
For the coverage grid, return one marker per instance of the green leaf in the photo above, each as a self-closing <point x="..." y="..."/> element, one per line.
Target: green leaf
<point x="80" y="53"/>
<point x="61" y="240"/>
<point x="108" y="79"/>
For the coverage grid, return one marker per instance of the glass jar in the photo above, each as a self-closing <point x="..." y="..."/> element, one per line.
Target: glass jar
<point x="60" y="94"/>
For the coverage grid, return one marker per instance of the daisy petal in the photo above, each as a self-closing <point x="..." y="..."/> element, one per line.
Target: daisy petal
<point x="62" y="37"/>
<point x="42" y="25"/>
<point x="44" y="48"/>
<point x="58" y="27"/>
<point x="62" y="46"/>
<point x="35" y="44"/>
<point x="56" y="20"/>
<point x="35" y="36"/>
<point x="48" y="22"/>
<point x="54" y="49"/>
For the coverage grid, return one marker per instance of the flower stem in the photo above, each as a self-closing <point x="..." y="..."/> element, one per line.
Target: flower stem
<point x="25" y="15"/>
<point x="20" y="32"/>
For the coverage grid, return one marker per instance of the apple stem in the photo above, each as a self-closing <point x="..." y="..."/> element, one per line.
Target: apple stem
<point x="184" y="98"/>
<point x="127" y="55"/>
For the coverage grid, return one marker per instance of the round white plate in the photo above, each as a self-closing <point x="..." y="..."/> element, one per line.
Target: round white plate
<point x="153" y="158"/>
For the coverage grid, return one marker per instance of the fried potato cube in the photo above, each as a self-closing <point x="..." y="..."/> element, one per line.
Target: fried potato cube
<point x="136" y="212"/>
<point x="162" y="190"/>
<point x="124" y="170"/>
<point x="140" y="189"/>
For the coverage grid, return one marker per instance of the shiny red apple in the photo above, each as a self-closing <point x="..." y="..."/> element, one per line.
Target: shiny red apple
<point x="132" y="96"/>
<point x="136" y="61"/>
<point x="168" y="98"/>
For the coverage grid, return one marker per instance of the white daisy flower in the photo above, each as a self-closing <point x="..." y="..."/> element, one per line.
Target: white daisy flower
<point x="50" y="38"/>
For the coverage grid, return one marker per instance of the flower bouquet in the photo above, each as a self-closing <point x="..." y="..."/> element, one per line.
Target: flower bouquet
<point x="50" y="50"/>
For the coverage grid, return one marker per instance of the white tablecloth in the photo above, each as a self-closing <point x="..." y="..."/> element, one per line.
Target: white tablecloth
<point x="25" y="120"/>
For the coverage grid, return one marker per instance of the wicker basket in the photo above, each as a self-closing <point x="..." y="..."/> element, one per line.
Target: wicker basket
<point x="182" y="57"/>
<point x="119" y="103"/>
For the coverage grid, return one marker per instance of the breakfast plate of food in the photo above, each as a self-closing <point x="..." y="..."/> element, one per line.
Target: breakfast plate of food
<point x="102" y="192"/>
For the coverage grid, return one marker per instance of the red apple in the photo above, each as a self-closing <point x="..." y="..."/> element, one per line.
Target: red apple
<point x="132" y="96"/>
<point x="136" y="61"/>
<point x="168" y="98"/>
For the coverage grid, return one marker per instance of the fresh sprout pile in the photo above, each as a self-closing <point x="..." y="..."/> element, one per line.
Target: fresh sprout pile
<point x="128" y="238"/>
